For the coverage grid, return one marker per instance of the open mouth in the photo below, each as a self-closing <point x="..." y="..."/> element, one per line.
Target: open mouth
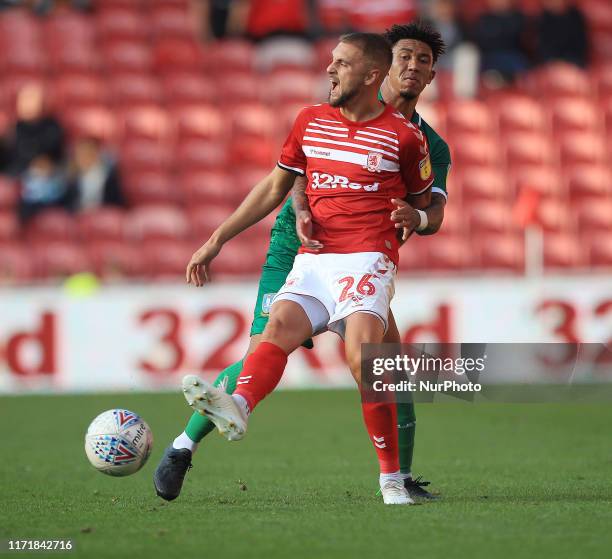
<point x="334" y="84"/>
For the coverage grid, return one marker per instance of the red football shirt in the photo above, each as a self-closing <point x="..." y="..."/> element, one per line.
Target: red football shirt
<point x="353" y="170"/>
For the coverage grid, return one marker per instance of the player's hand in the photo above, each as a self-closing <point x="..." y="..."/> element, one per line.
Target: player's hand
<point x="303" y="225"/>
<point x="405" y="217"/>
<point x="198" y="272"/>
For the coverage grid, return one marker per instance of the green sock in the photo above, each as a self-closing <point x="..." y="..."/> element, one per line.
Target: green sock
<point x="406" y="427"/>
<point x="199" y="425"/>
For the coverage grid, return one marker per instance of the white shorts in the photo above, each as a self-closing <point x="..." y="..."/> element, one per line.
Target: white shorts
<point x="330" y="287"/>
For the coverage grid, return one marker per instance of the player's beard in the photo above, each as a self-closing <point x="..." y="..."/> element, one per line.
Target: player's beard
<point x="344" y="97"/>
<point x="409" y="95"/>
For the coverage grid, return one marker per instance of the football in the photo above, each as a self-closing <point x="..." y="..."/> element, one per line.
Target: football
<point x="118" y="442"/>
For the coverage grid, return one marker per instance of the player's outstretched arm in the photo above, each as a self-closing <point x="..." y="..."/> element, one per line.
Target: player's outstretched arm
<point x="303" y="216"/>
<point x="261" y="200"/>
<point x="406" y="216"/>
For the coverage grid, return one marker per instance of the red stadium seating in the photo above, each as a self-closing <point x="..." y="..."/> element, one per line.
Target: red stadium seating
<point x="489" y="217"/>
<point x="72" y="90"/>
<point x="127" y="56"/>
<point x="554" y="215"/>
<point x="294" y="86"/>
<point x="201" y="122"/>
<point x="148" y="187"/>
<point x="9" y="225"/>
<point x="16" y="263"/>
<point x="523" y="148"/>
<point x="157" y="222"/>
<point x="589" y="181"/>
<point x="500" y="252"/>
<point x="564" y="250"/>
<point x="168" y="21"/>
<point x="167" y="260"/>
<point x="575" y="114"/>
<point x="445" y="252"/>
<point x="470" y="116"/>
<point x="91" y="121"/>
<point x="102" y="224"/>
<point x="475" y="149"/>
<point x="9" y="193"/>
<point x="149" y="155"/>
<point x="60" y="259"/>
<point x="484" y="183"/>
<point x="582" y="147"/>
<point x="233" y="54"/>
<point x="121" y="24"/>
<point x="114" y="260"/>
<point x="240" y="257"/>
<point x="186" y="88"/>
<point x="204" y="219"/>
<point x="175" y="54"/>
<point x="520" y="114"/>
<point x="128" y="89"/>
<point x="239" y="87"/>
<point x="146" y="122"/>
<point x="52" y="225"/>
<point x="594" y="217"/>
<point x="201" y="155"/>
<point x="561" y="80"/>
<point x="209" y="187"/>
<point x="600" y="249"/>
<point x="543" y="179"/>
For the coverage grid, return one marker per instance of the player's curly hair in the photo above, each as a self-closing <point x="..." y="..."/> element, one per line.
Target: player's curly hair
<point x="418" y="31"/>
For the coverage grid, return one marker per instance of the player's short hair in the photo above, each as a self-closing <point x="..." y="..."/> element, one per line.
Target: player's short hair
<point x="374" y="46"/>
<point x="418" y="31"/>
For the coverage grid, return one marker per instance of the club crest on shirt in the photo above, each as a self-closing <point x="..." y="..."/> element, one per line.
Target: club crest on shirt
<point x="425" y="168"/>
<point x="374" y="161"/>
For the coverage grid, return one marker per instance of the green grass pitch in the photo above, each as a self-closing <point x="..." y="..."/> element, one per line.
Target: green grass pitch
<point x="517" y="481"/>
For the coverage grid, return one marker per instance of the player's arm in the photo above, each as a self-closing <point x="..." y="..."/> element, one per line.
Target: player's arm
<point x="405" y="214"/>
<point x="303" y="216"/>
<point x="261" y="200"/>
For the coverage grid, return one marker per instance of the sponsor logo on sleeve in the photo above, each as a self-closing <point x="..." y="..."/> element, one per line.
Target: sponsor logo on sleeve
<point x="425" y="168"/>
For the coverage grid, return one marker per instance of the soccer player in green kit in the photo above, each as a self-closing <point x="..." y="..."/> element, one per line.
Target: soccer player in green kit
<point x="416" y="48"/>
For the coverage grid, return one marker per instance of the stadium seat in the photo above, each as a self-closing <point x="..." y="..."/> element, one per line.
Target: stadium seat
<point x="9" y="225"/>
<point x="474" y="149"/>
<point x="71" y="90"/>
<point x="51" y="225"/>
<point x="575" y="114"/>
<point x="205" y="218"/>
<point x="189" y="88"/>
<point x="16" y="263"/>
<point x="91" y="121"/>
<point x="234" y="53"/>
<point x="209" y="187"/>
<point x="564" y="250"/>
<point x="149" y="187"/>
<point x="600" y="249"/>
<point x="253" y="121"/>
<point x="239" y="87"/>
<point x="520" y="114"/>
<point x="102" y="224"/>
<point x="489" y="216"/>
<point x="114" y="260"/>
<point x="529" y="148"/>
<point x="65" y="57"/>
<point x="555" y="215"/>
<point x="9" y="193"/>
<point x="560" y="79"/>
<point x="168" y="22"/>
<point x="603" y="80"/>
<point x="484" y="183"/>
<point x="445" y="253"/>
<point x="240" y="257"/>
<point x="128" y="89"/>
<point x="60" y="259"/>
<point x="544" y="179"/>
<point x="167" y="260"/>
<point x="127" y="57"/>
<point x="469" y="116"/>
<point x="146" y="122"/>
<point x="146" y="155"/>
<point x="594" y="215"/>
<point x="157" y="222"/>
<point x="201" y="122"/>
<point x="294" y="86"/>
<point x="119" y="24"/>
<point x="175" y="54"/>
<point x="582" y="147"/>
<point x="589" y="181"/>
<point x="201" y="155"/>
<point x="245" y="178"/>
<point x="500" y="252"/>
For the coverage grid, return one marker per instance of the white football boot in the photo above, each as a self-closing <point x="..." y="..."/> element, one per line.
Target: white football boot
<point x="217" y="405"/>
<point x="394" y="493"/>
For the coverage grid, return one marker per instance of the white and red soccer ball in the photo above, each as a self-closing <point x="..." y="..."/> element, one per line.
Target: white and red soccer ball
<point x="118" y="442"/>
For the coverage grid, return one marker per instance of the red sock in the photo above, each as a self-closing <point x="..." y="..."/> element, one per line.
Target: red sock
<point x="261" y="373"/>
<point x="381" y="423"/>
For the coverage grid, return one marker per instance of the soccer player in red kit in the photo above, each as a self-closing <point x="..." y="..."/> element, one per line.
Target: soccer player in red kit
<point x="358" y="155"/>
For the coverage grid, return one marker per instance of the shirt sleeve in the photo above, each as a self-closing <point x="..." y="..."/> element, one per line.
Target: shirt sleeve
<point x="415" y="161"/>
<point x="441" y="163"/>
<point x="292" y="156"/>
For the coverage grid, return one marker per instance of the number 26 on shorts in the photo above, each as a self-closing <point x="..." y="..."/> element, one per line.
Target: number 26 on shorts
<point x="364" y="287"/>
